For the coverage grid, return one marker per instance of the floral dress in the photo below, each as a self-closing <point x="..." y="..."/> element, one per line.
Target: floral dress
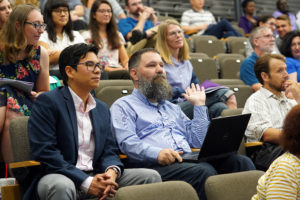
<point x="23" y="70"/>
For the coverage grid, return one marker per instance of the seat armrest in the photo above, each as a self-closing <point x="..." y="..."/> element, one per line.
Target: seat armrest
<point x="253" y="144"/>
<point x="25" y="172"/>
<point x="252" y="147"/>
<point x="195" y="149"/>
<point x="28" y="163"/>
<point x="123" y="156"/>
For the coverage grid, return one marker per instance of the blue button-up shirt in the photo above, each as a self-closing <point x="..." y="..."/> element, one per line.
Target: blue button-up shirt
<point x="142" y="129"/>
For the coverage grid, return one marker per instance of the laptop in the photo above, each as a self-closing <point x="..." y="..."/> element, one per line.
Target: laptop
<point x="223" y="138"/>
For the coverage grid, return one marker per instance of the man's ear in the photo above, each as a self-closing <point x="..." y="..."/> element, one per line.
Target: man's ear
<point x="134" y="74"/>
<point x="70" y="72"/>
<point x="255" y="41"/>
<point x="265" y="76"/>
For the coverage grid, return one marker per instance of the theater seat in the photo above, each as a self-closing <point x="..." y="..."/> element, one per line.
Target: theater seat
<point x="237" y="186"/>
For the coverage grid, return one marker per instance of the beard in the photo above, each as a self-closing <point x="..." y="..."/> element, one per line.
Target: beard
<point x="268" y="48"/>
<point x="279" y="88"/>
<point x="157" y="89"/>
<point x="137" y="13"/>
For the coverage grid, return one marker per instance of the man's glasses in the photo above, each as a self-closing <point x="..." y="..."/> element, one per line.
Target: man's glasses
<point x="60" y="11"/>
<point x="37" y="26"/>
<point x="91" y="66"/>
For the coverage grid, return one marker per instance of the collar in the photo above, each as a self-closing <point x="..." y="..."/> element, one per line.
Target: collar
<point x="202" y="11"/>
<point x="269" y="94"/>
<point x="144" y="99"/>
<point x="78" y="103"/>
<point x="254" y="55"/>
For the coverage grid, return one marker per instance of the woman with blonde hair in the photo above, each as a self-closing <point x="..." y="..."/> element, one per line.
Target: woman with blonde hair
<point x="23" y="60"/>
<point x="175" y="52"/>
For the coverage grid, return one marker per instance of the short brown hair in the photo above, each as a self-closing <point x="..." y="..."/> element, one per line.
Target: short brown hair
<point x="290" y="138"/>
<point x="262" y="64"/>
<point x="284" y="17"/>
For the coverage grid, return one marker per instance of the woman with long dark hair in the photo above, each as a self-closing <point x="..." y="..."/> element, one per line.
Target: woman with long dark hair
<point x="59" y="33"/>
<point x="290" y="48"/>
<point x="103" y="32"/>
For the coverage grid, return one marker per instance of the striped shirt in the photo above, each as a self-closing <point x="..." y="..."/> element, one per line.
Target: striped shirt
<point x="281" y="181"/>
<point x="267" y="111"/>
<point x="194" y="18"/>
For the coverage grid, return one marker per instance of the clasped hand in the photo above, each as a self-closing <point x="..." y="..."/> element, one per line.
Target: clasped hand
<point x="195" y="95"/>
<point x="103" y="186"/>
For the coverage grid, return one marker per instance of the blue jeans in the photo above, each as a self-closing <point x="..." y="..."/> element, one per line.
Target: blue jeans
<point x="222" y="29"/>
<point x="197" y="173"/>
<point x="215" y="101"/>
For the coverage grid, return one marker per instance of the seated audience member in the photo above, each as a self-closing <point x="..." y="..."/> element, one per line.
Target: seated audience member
<point x="70" y="134"/>
<point x="5" y="10"/>
<point x="153" y="132"/>
<point x="76" y="13"/>
<point x="290" y="48"/>
<point x="268" y="21"/>
<point x="283" y="26"/>
<point x="23" y="60"/>
<point x="262" y="41"/>
<point x="268" y="107"/>
<point x="200" y="21"/>
<point x="282" y="180"/>
<point x="116" y="8"/>
<point x="175" y="54"/>
<point x="248" y="21"/>
<point x="283" y="9"/>
<point x="59" y="33"/>
<point x="139" y="22"/>
<point x="104" y="33"/>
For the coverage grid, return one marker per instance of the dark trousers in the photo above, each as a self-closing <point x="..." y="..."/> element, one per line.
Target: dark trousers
<point x="197" y="173"/>
<point x="222" y="29"/>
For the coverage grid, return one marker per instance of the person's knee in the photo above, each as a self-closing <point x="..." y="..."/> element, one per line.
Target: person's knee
<point x="56" y="185"/>
<point x="231" y="102"/>
<point x="150" y="176"/>
<point x="204" y="170"/>
<point x="216" y="109"/>
<point x="242" y="163"/>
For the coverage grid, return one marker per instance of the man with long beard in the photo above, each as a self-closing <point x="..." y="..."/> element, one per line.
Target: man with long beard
<point x="154" y="133"/>
<point x="269" y="106"/>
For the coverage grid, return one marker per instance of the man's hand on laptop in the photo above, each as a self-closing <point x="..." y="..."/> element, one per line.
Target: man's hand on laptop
<point x="169" y="156"/>
<point x="195" y="95"/>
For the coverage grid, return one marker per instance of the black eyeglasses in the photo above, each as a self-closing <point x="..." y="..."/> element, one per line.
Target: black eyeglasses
<point x="91" y="66"/>
<point x="37" y="26"/>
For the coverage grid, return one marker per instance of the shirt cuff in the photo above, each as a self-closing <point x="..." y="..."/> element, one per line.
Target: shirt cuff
<point x="116" y="167"/>
<point x="201" y="111"/>
<point x="85" y="186"/>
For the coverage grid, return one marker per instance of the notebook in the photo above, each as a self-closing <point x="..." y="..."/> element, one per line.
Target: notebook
<point x="223" y="138"/>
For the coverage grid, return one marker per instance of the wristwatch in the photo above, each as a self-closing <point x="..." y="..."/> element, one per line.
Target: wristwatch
<point x="116" y="170"/>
